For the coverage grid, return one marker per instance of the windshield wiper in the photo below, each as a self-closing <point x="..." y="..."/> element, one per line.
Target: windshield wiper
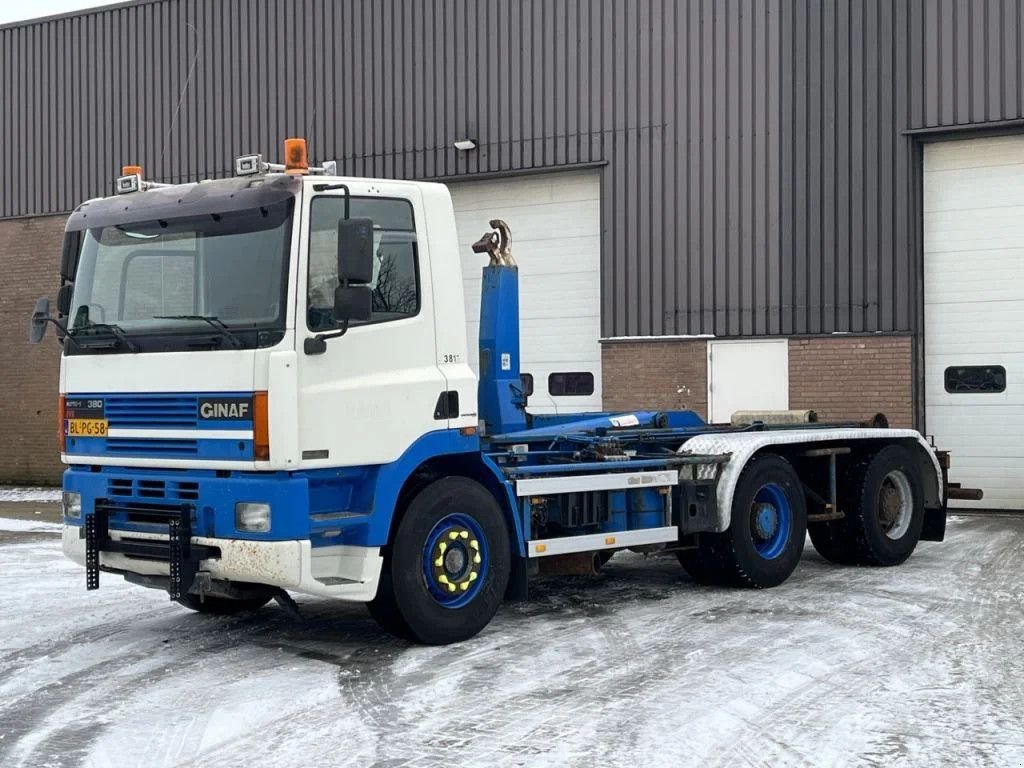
<point x="115" y="330"/>
<point x="213" y="321"/>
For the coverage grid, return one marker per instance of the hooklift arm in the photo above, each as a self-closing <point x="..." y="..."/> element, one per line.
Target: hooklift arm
<point x="500" y="390"/>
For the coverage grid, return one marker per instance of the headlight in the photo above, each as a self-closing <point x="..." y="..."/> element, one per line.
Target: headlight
<point x="252" y="516"/>
<point x="71" y="504"/>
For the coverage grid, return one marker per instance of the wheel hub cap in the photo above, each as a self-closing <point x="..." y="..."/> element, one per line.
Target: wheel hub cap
<point x="895" y="505"/>
<point x="766" y="520"/>
<point x="454" y="561"/>
<point x="771" y="521"/>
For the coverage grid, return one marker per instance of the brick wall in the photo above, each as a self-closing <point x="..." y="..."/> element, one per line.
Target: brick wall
<point x="29" y="268"/>
<point x="852" y="378"/>
<point x="663" y="375"/>
<point x="842" y="378"/>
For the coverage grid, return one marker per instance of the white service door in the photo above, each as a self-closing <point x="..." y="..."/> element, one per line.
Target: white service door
<point x="974" y="312"/>
<point x="555" y="220"/>
<point x="747" y="376"/>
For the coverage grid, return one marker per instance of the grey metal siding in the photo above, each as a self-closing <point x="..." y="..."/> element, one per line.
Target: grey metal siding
<point x="758" y="178"/>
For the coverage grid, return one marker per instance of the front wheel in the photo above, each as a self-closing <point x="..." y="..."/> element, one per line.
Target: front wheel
<point x="446" y="570"/>
<point x="765" y="538"/>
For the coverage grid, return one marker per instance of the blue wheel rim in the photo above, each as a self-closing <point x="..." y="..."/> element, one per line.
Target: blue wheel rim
<point x="455" y="560"/>
<point x="771" y="521"/>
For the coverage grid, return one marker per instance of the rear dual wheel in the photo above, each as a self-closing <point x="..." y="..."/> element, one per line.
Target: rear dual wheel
<point x="765" y="538"/>
<point x="884" y="507"/>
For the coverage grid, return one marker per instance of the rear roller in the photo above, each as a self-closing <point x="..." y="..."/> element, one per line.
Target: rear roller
<point x="765" y="539"/>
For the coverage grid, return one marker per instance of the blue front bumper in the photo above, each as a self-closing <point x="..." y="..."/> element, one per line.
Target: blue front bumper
<point x="304" y="506"/>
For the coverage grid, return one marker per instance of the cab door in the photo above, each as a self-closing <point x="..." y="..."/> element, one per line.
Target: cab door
<point x="375" y="390"/>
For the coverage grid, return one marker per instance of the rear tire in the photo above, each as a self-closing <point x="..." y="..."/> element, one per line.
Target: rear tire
<point x="701" y="563"/>
<point x="833" y="539"/>
<point x="223" y="606"/>
<point x="887" y="509"/>
<point x="446" y="570"/>
<point x="765" y="538"/>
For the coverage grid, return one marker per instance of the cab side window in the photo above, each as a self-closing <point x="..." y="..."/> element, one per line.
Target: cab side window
<point x="395" y="286"/>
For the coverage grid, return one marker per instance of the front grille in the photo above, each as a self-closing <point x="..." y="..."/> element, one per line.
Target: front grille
<point x="144" y="512"/>
<point x="151" y="446"/>
<point x="171" y="490"/>
<point x="152" y="411"/>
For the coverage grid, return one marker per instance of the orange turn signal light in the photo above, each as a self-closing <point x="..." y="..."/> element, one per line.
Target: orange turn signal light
<point x="296" y="158"/>
<point x="260" y="427"/>
<point x="131" y="170"/>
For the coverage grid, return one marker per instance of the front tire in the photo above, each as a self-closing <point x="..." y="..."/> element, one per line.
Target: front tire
<point x="448" y="566"/>
<point x="765" y="538"/>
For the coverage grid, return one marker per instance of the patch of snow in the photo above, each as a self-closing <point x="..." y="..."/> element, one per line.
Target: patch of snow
<point x="30" y="494"/>
<point x="640" y="667"/>
<point x="29" y="526"/>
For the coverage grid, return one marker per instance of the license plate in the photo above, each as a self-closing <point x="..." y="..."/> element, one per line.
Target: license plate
<point x="87" y="427"/>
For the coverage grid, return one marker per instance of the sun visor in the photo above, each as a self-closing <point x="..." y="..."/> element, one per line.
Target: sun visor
<point x="220" y="196"/>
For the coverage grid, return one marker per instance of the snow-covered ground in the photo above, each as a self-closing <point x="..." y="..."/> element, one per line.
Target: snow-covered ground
<point x="918" y="665"/>
<point x="29" y="494"/>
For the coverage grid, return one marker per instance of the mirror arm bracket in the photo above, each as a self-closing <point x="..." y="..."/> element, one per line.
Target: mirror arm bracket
<point x="65" y="336"/>
<point x="318" y="344"/>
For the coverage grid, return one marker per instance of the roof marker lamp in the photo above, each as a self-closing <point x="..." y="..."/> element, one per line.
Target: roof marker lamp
<point x="129" y="181"/>
<point x="252" y="517"/>
<point x="249" y="165"/>
<point x="464" y="145"/>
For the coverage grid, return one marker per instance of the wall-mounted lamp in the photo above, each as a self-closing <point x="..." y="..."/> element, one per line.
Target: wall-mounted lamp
<point x="464" y="145"/>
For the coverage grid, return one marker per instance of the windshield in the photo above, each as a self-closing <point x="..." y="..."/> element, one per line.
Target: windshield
<point x="223" y="275"/>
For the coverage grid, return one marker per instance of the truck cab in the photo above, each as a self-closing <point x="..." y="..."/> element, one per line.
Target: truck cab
<point x="265" y="388"/>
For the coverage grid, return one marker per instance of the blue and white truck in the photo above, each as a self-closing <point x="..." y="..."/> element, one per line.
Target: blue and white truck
<point x="265" y="388"/>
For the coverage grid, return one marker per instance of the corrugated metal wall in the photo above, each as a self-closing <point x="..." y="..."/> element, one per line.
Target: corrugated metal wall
<point x="758" y="177"/>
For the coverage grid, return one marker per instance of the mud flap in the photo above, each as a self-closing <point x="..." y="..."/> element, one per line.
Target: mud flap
<point x="934" y="528"/>
<point x="518" y="590"/>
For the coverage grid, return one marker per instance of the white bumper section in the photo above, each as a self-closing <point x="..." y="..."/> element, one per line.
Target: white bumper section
<point x="343" y="572"/>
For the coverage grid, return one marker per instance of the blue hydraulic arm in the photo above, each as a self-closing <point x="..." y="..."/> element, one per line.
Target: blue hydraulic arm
<point x="500" y="394"/>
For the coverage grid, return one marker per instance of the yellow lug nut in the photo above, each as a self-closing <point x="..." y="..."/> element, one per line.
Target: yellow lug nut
<point x="442" y="579"/>
<point x="453" y="535"/>
<point x="476" y="559"/>
<point x="474" y="544"/>
<point x="464" y="586"/>
<point x="451" y="587"/>
<point x="439" y="562"/>
<point x="472" y="575"/>
<point x="464" y="534"/>
<point x="443" y="546"/>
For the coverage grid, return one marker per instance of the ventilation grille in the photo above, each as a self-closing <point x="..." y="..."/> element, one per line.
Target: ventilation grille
<point x="148" y="446"/>
<point x="152" y="411"/>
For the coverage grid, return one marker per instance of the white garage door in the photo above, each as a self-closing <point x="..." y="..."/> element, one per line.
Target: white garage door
<point x="974" y="312"/>
<point x="556" y="229"/>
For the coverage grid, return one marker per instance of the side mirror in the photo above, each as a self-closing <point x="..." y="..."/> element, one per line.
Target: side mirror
<point x="64" y="299"/>
<point x="40" y="319"/>
<point x="353" y="302"/>
<point x="355" y="251"/>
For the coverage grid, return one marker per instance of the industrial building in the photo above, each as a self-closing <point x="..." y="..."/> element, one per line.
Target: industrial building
<point x="715" y="203"/>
